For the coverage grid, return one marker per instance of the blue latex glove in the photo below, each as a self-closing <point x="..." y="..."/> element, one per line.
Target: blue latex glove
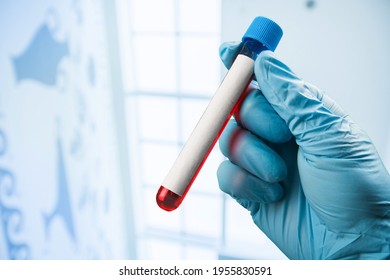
<point x="310" y="177"/>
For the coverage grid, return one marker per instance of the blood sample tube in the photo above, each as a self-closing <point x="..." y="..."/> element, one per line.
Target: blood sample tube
<point x="262" y="34"/>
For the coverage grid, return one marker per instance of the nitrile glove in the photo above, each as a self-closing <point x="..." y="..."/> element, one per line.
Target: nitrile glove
<point x="310" y="177"/>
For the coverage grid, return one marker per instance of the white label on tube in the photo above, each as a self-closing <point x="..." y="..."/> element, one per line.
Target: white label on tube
<point x="209" y="125"/>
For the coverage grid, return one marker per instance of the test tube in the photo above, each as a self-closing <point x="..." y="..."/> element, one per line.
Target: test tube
<point x="262" y="34"/>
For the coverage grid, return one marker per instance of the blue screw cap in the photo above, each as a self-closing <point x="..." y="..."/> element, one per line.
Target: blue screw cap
<point x="265" y="31"/>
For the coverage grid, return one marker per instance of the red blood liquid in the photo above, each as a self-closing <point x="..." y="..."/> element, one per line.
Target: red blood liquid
<point x="167" y="199"/>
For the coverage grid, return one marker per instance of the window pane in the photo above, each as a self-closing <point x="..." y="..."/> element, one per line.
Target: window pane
<point x="161" y="249"/>
<point x="191" y="111"/>
<point x="153" y="15"/>
<point x="199" y="64"/>
<point x="243" y="239"/>
<point x="174" y="46"/>
<point x="156" y="161"/>
<point x="202" y="215"/>
<point x="200" y="253"/>
<point x="200" y="15"/>
<point x="158" y="118"/>
<point x="155" y="63"/>
<point x="157" y="218"/>
<point x="239" y="224"/>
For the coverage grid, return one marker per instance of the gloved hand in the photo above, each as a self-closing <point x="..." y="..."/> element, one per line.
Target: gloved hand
<point x="310" y="177"/>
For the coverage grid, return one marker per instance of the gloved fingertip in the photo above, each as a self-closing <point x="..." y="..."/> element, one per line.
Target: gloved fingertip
<point x="223" y="180"/>
<point x="272" y="127"/>
<point x="275" y="195"/>
<point x="239" y="184"/>
<point x="264" y="57"/>
<point x="228" y="51"/>
<point x="224" y="184"/>
<point x="225" y="140"/>
<point x="267" y="66"/>
<point x="226" y="46"/>
<point x="278" y="173"/>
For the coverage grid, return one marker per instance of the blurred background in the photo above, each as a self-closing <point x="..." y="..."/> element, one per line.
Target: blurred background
<point x="97" y="98"/>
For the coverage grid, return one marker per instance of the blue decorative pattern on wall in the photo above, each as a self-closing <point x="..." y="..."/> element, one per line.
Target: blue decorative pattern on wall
<point x="40" y="61"/>
<point x="11" y="215"/>
<point x="60" y="188"/>
<point x="62" y="209"/>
